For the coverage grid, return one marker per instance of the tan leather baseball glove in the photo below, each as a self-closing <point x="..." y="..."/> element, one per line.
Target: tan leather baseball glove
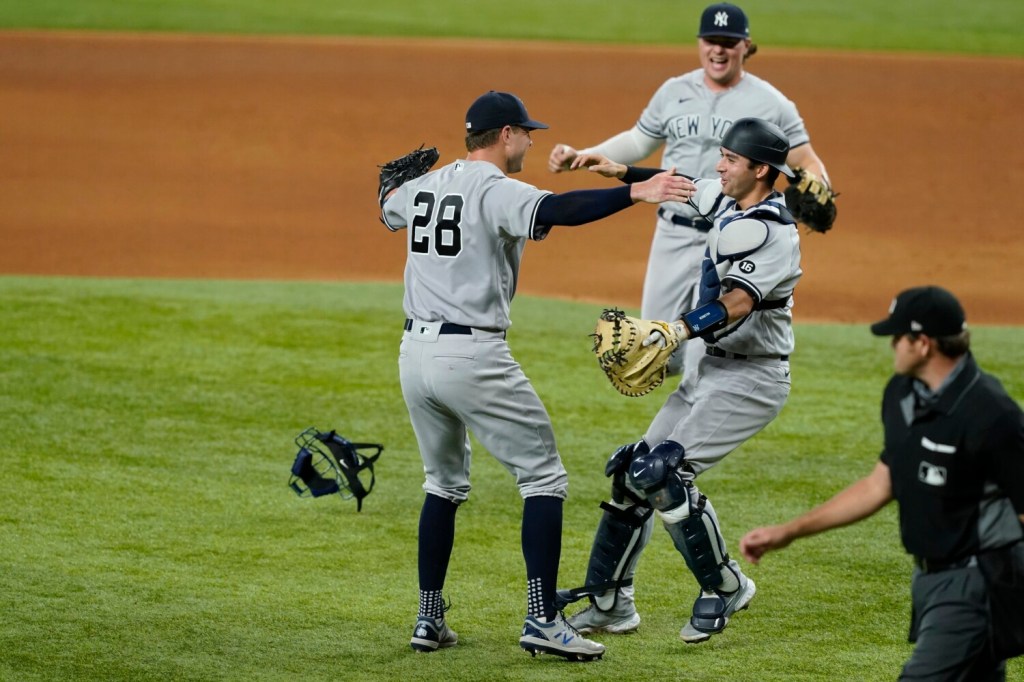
<point x="811" y="201"/>
<point x="634" y="353"/>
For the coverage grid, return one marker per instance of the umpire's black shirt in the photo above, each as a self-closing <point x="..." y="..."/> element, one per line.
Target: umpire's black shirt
<point x="956" y="463"/>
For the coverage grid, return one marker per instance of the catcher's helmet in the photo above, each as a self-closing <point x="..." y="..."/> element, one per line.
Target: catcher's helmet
<point x="760" y="141"/>
<point x="328" y="463"/>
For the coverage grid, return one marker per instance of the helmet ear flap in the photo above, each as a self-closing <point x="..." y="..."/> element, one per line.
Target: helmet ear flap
<point x="328" y="463"/>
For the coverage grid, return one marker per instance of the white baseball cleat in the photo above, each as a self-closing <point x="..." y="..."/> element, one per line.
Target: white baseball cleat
<point x="559" y="638"/>
<point x="591" y="620"/>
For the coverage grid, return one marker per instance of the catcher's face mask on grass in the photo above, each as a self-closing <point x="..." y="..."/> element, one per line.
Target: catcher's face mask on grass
<point x="327" y="463"/>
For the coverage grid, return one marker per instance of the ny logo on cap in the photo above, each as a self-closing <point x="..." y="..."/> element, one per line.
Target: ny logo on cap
<point x="721" y="19"/>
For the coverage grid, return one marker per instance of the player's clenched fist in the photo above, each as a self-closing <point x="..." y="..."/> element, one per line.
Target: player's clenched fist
<point x="561" y="156"/>
<point x="665" y="186"/>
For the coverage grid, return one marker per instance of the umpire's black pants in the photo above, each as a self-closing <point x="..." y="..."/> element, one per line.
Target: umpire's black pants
<point x="950" y="626"/>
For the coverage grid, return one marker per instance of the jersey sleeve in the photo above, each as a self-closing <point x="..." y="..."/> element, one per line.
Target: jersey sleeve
<point x="889" y="395"/>
<point x="511" y="206"/>
<point x="652" y="119"/>
<point x="393" y="212"/>
<point x="791" y="122"/>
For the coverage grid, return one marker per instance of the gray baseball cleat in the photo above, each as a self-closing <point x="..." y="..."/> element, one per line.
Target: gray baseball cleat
<point x="711" y="612"/>
<point x="558" y="638"/>
<point x="431" y="634"/>
<point x="616" y="622"/>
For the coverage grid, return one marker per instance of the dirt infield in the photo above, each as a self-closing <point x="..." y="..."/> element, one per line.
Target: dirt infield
<point x="256" y="158"/>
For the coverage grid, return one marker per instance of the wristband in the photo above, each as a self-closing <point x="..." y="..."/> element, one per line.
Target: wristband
<point x="706" y="319"/>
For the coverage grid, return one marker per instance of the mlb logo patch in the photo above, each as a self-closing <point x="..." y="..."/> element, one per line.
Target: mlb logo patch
<point x="930" y="474"/>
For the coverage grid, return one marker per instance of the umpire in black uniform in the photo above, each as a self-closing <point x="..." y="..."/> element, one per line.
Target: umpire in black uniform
<point x="954" y="461"/>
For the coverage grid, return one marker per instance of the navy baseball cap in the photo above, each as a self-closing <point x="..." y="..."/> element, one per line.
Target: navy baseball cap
<point x="499" y="109"/>
<point x="723" y="19"/>
<point x="930" y="310"/>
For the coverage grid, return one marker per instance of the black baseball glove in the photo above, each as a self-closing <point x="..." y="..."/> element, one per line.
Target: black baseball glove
<point x="397" y="172"/>
<point x="811" y="201"/>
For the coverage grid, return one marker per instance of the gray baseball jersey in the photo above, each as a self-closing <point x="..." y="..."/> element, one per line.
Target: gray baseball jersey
<point x="758" y="250"/>
<point x="692" y="119"/>
<point x="468" y="224"/>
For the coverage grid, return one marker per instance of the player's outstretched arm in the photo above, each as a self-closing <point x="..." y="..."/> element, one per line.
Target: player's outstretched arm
<point x="629" y="146"/>
<point x="859" y="501"/>
<point x="665" y="186"/>
<point x="582" y="206"/>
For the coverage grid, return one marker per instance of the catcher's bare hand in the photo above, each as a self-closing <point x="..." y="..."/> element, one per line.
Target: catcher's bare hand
<point x="658" y="339"/>
<point x="561" y="157"/>
<point x="634" y="367"/>
<point x="665" y="186"/>
<point x="598" y="163"/>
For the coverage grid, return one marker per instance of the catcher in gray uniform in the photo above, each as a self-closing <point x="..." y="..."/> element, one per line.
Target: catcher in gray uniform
<point x="689" y="115"/>
<point x="750" y="268"/>
<point x="468" y="223"/>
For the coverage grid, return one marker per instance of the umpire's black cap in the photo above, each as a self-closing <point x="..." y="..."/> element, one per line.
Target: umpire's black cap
<point x="723" y="19"/>
<point x="929" y="310"/>
<point x="495" y="109"/>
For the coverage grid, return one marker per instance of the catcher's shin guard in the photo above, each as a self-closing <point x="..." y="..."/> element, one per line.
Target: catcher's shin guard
<point x="692" y="537"/>
<point x="624" y="531"/>
<point x="696" y="537"/>
<point x="621" y="537"/>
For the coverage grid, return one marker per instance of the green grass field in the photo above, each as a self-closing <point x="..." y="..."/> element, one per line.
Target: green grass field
<point x="146" y="428"/>
<point x="982" y="27"/>
<point x="148" y="532"/>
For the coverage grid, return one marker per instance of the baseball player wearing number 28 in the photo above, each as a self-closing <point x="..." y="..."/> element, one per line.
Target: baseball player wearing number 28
<point x="468" y="223"/>
<point x="750" y="269"/>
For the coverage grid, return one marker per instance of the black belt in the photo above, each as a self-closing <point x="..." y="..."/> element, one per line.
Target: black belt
<point x="446" y="328"/>
<point x="719" y="353"/>
<point x="701" y="224"/>
<point x="929" y="566"/>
